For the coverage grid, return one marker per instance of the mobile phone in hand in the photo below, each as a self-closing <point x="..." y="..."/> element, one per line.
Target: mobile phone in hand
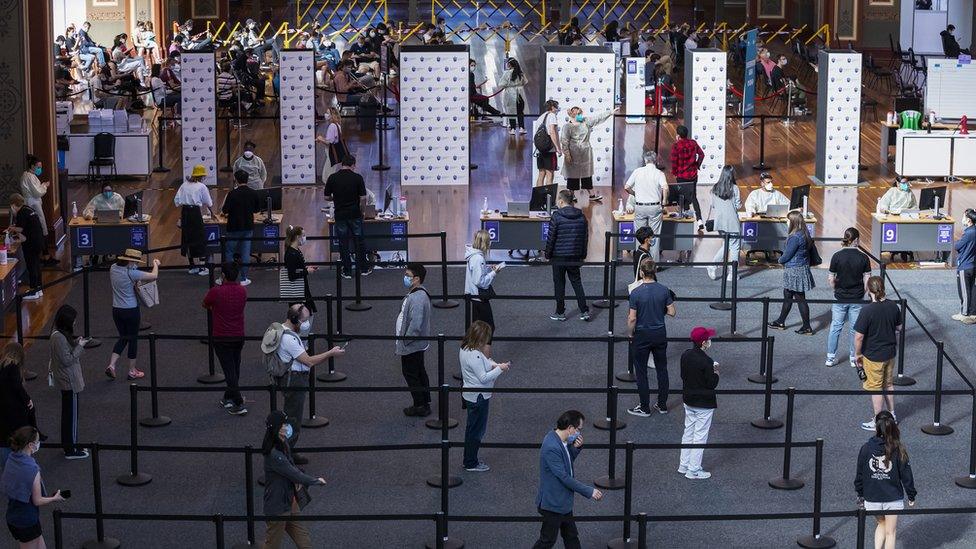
<point x="66" y="494"/>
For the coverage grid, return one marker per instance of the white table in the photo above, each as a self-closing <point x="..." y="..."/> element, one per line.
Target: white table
<point x="936" y="154"/>
<point x="133" y="151"/>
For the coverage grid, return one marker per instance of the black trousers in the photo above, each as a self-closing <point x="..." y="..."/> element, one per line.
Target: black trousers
<point x="415" y="375"/>
<point x="686" y="191"/>
<point x="519" y="120"/>
<point x="554" y="524"/>
<point x="69" y="421"/>
<point x="789" y="296"/>
<point x="559" y="275"/>
<point x="481" y="101"/>
<point x="228" y="351"/>
<point x="127" y="323"/>
<point x="481" y="310"/>
<point x="32" y="260"/>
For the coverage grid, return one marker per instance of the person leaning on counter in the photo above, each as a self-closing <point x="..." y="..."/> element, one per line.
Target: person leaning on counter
<point x="899" y="197"/>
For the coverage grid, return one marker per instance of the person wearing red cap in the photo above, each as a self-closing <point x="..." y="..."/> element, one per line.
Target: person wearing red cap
<point x="699" y="377"/>
<point x="649" y="304"/>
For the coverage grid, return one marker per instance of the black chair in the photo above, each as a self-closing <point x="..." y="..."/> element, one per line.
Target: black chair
<point x="879" y="75"/>
<point x="102" y="156"/>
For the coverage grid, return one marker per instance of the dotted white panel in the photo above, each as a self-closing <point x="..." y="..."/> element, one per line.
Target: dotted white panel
<point x="705" y="111"/>
<point x="842" y="129"/>
<point x="199" y="117"/>
<point x="434" y="118"/>
<point x="297" y="117"/>
<point x="585" y="80"/>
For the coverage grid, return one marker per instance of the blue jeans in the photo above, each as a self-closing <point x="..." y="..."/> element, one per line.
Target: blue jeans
<point x="346" y="230"/>
<point x="841" y="312"/>
<point x="86" y="60"/>
<point x="97" y="52"/>
<point x="241" y="248"/>
<point x="475" y="429"/>
<point x="645" y="343"/>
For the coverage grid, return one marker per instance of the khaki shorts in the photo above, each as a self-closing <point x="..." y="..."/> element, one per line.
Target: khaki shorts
<point x="880" y="374"/>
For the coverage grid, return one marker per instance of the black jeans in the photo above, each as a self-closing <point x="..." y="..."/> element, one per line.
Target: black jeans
<point x="559" y="274"/>
<point x="69" y="421"/>
<point x="127" y="323"/>
<point x="554" y="524"/>
<point x="481" y="310"/>
<point x="228" y="351"/>
<point x="789" y="296"/>
<point x="346" y="230"/>
<point x="647" y="343"/>
<point x="686" y="192"/>
<point x="294" y="401"/>
<point x="415" y="375"/>
<point x="519" y="120"/>
<point x="32" y="259"/>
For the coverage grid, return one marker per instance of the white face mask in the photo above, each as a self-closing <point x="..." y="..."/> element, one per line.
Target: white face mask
<point x="706" y="344"/>
<point x="306" y="326"/>
<point x="301" y="240"/>
<point x="248" y="154"/>
<point x="768" y="186"/>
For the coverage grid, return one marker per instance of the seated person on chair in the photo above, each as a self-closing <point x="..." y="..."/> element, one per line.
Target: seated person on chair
<point x="760" y="199"/>
<point x="778" y="80"/>
<point x="347" y="87"/>
<point x="950" y="46"/>
<point x="899" y="197"/>
<point x="105" y="200"/>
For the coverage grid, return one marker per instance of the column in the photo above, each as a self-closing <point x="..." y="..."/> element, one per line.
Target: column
<point x="838" y="118"/>
<point x="704" y="89"/>
<point x="199" y="116"/>
<point x="297" y="112"/>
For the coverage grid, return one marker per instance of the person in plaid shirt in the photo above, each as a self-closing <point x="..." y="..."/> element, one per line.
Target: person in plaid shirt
<point x="686" y="158"/>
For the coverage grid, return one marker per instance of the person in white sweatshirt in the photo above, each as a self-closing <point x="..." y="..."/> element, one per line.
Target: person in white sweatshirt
<point x="478" y="277"/>
<point x="478" y="372"/>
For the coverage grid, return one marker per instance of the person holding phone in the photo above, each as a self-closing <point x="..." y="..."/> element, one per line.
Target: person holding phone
<point x="66" y="350"/>
<point x="478" y="278"/>
<point x="285" y="485"/>
<point x="24" y="488"/>
<point x="478" y="372"/>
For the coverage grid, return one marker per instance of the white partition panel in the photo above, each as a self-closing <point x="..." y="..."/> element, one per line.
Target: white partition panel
<point x="199" y="117"/>
<point x="434" y="148"/>
<point x="297" y="113"/>
<point x="705" y="81"/>
<point x="838" y="118"/>
<point x="582" y="76"/>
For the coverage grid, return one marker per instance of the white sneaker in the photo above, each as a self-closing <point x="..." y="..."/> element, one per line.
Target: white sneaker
<point x="246" y="282"/>
<point x="853" y="361"/>
<point x="958" y="316"/>
<point x="218" y="282"/>
<point x="522" y="131"/>
<point x="682" y="470"/>
<point x="711" y="272"/>
<point x="511" y="131"/>
<point x="831" y="361"/>
<point x="32" y="297"/>
<point x="700" y="474"/>
<point x="195" y="270"/>
<point x="204" y="272"/>
<point x="868" y="425"/>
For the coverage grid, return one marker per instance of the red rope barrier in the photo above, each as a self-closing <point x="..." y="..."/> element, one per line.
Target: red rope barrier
<point x="774" y="94"/>
<point x="672" y="90"/>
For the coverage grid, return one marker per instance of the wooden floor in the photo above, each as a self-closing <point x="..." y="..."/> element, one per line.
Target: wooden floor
<point x="504" y="173"/>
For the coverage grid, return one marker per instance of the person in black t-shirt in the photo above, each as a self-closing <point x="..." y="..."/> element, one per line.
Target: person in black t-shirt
<point x="347" y="190"/>
<point x="239" y="207"/>
<point x="875" y="343"/>
<point x="849" y="272"/>
<point x="28" y="231"/>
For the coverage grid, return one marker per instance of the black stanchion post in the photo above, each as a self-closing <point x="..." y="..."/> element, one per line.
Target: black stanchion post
<point x="969" y="481"/>
<point x="333" y="376"/>
<point x="611" y="296"/>
<point x="816" y="540"/>
<point x="219" y="527"/>
<point x="86" y="309"/>
<point x="900" y="378"/>
<point x="58" y="533"/>
<point x="100" y="541"/>
<point x="442" y="540"/>
<point x="611" y="481"/>
<point x="228" y="167"/>
<point x="444" y="480"/>
<point x="211" y="377"/>
<point x="134" y="478"/>
<point x="762" y="145"/>
<point x="18" y="304"/>
<point x="626" y="542"/>
<point x="937" y="427"/>
<point x="861" y="519"/>
<point x="443" y="302"/>
<point x="785" y="482"/>
<point x="764" y="329"/>
<point x="358" y="305"/>
<point x="641" y="530"/>
<point x="734" y="317"/>
<point x="723" y="305"/>
<point x="338" y="307"/>
<point x="248" y="500"/>
<point x="467" y="312"/>
<point x="611" y="421"/>
<point x="767" y="422"/>
<point x="155" y="420"/>
<point x="313" y="421"/>
<point x="380" y="128"/>
<point x="442" y="407"/>
<point x="628" y="374"/>
<point x="605" y="303"/>
<point x="160" y="138"/>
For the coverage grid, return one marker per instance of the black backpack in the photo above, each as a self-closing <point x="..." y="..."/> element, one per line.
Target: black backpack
<point x="543" y="142"/>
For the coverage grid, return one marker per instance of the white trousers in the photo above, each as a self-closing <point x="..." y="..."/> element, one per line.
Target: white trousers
<point x="697" y="423"/>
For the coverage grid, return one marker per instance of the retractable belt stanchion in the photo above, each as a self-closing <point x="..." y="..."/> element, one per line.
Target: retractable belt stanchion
<point x="134" y="478"/>
<point x="761" y="376"/>
<point x="610" y="421"/>
<point x="332" y="376"/>
<point x="442" y="540"/>
<point x="444" y="302"/>
<point x="611" y="481"/>
<point x="861" y="519"/>
<point x="767" y="422"/>
<point x="734" y="318"/>
<point x="248" y="500"/>
<point x="628" y="374"/>
<point x="86" y="309"/>
<point x="900" y="378"/>
<point x="442" y="407"/>
<point x="444" y="480"/>
<point x="641" y="530"/>
<point x="626" y="542"/>
<point x="338" y="308"/>
<point x="762" y="165"/>
<point x="969" y="481"/>
<point x="155" y="420"/>
<point x="785" y="482"/>
<point x="100" y="541"/>
<point x="723" y="305"/>
<point x="816" y="540"/>
<point x="358" y="305"/>
<point x="312" y="421"/>
<point x="58" y="527"/>
<point x="937" y="427"/>
<point x="228" y="167"/>
<point x="160" y="138"/>
<point x="605" y="302"/>
<point x="218" y="520"/>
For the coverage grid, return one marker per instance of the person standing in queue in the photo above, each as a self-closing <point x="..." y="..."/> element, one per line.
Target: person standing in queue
<point x="192" y="196"/>
<point x="650" y="303"/>
<point x="293" y="278"/>
<point x="546" y="160"/>
<point x="414" y="321"/>
<point x="557" y="482"/>
<point x="347" y="190"/>
<point x="28" y="232"/>
<point x="24" y="488"/>
<point x="478" y="278"/>
<point x="241" y="204"/>
<point x="699" y="378"/>
<point x="478" y="372"/>
<point x="124" y="276"/>
<point x="566" y="248"/>
<point x="577" y="151"/>
<point x="66" y="350"/>
<point x="848" y="276"/>
<point x="226" y="303"/>
<point x="884" y="477"/>
<point x="649" y="186"/>
<point x="725" y="209"/>
<point x="686" y="158"/>
<point x="16" y="406"/>
<point x="797" y="279"/>
<point x="966" y="269"/>
<point x="875" y="348"/>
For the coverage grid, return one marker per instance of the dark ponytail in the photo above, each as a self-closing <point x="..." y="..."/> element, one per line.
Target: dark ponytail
<point x="850" y="235"/>
<point x="886" y="429"/>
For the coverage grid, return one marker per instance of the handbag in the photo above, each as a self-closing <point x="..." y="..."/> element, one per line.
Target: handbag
<point x="815" y="258"/>
<point x="486" y="294"/>
<point x="541" y="139"/>
<point x="710" y="225"/>
<point x="302" y="497"/>
<point x="637" y="278"/>
<point x="148" y="293"/>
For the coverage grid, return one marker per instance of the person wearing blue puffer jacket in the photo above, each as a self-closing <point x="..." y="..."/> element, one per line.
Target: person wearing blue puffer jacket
<point x="566" y="247"/>
<point x="966" y="269"/>
<point x="797" y="279"/>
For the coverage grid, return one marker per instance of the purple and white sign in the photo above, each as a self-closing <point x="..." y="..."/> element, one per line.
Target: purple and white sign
<point x="889" y="233"/>
<point x="750" y="231"/>
<point x="945" y="234"/>
<point x="493" y="230"/>
<point x="627" y="232"/>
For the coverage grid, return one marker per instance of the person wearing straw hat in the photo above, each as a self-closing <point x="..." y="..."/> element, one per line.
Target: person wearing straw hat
<point x="124" y="275"/>
<point x="191" y="197"/>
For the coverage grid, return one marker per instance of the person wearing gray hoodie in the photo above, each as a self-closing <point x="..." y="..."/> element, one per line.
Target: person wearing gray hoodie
<point x="414" y="321"/>
<point x="478" y="277"/>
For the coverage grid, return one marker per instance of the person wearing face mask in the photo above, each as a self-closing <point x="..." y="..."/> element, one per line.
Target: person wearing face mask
<point x="557" y="482"/>
<point x="240" y="206"/>
<point x="192" y="197"/>
<point x="251" y="163"/>
<point x="650" y="303"/>
<point x="478" y="99"/>
<point x="27" y="230"/>
<point x="414" y="321"/>
<point x="293" y="278"/>
<point x="766" y="195"/>
<point x="16" y="406"/>
<point x="24" y="488"/>
<point x="899" y="197"/>
<point x="966" y="269"/>
<point x="875" y="348"/>
<point x="848" y="276"/>
<point x="283" y="484"/>
<point x="348" y="90"/>
<point x="105" y="200"/>
<point x="699" y="378"/>
<point x="577" y="151"/>
<point x="512" y="84"/>
<point x="346" y="189"/>
<point x="33" y="191"/>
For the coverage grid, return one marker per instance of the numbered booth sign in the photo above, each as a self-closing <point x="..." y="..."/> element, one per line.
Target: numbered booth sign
<point x="626" y="232"/>
<point x="397" y="230"/>
<point x="493" y="230"/>
<point x="137" y="237"/>
<point x="889" y="233"/>
<point x="945" y="234"/>
<point x="750" y="231"/>
<point x="545" y="232"/>
<point x="213" y="235"/>
<point x="85" y="238"/>
<point x="271" y="231"/>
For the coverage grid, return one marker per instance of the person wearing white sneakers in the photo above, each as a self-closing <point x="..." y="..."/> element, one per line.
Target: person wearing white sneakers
<point x="848" y="276"/>
<point x="479" y="372"/>
<point x="726" y="202"/>
<point x="875" y="346"/>
<point x="240" y="206"/>
<point x="125" y="307"/>
<point x="966" y="269"/>
<point x="699" y="378"/>
<point x="192" y="196"/>
<point x="512" y="85"/>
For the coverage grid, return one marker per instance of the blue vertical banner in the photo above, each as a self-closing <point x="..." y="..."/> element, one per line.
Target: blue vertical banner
<point x="749" y="86"/>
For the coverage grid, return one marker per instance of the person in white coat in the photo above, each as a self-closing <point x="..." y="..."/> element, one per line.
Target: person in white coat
<point x="33" y="190"/>
<point x="512" y="83"/>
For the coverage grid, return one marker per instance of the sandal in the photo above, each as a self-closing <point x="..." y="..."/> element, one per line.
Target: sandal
<point x="805" y="331"/>
<point x="110" y="372"/>
<point x="777" y="325"/>
<point x="135" y="374"/>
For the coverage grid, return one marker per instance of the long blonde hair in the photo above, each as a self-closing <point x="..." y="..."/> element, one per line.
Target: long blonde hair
<point x="481" y="241"/>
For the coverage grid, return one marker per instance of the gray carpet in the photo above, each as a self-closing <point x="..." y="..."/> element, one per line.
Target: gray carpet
<point x="393" y="482"/>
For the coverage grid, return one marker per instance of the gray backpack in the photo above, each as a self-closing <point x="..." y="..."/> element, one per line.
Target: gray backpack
<point x="270" y="343"/>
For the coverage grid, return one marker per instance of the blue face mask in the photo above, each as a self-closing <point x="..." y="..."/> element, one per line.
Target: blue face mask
<point x="903" y="186"/>
<point x="107" y="195"/>
<point x="407" y="281"/>
<point x="37" y="171"/>
<point x="572" y="438"/>
<point x="289" y="431"/>
<point x="579" y="117"/>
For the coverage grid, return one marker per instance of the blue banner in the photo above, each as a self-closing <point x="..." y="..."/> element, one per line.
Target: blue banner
<point x="749" y="86"/>
<point x="137" y="237"/>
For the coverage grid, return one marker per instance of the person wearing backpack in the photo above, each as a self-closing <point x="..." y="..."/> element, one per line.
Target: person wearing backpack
<point x="546" y="141"/>
<point x="414" y="321"/>
<point x="290" y="365"/>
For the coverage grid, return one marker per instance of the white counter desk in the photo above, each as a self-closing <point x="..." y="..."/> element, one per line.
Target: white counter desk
<point x="940" y="153"/>
<point x="133" y="150"/>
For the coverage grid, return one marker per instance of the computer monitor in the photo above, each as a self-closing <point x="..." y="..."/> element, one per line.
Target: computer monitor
<point x="796" y="197"/>
<point x="926" y="201"/>
<point x="133" y="204"/>
<point x="272" y="192"/>
<point x="543" y="198"/>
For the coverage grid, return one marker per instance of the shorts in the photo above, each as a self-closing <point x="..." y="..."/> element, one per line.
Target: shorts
<point x="896" y="505"/>
<point x="575" y="184"/>
<point x="546" y="161"/>
<point x="879" y="374"/>
<point x="24" y="535"/>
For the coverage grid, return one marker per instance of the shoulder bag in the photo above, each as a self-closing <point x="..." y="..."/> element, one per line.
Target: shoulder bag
<point x="147" y="292"/>
<point x="637" y="278"/>
<point x="815" y="258"/>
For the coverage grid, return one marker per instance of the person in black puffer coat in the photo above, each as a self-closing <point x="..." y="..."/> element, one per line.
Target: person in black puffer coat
<point x="565" y="245"/>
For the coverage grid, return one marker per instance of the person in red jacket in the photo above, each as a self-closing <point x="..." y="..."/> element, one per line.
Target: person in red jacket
<point x="226" y="303"/>
<point x="686" y="158"/>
